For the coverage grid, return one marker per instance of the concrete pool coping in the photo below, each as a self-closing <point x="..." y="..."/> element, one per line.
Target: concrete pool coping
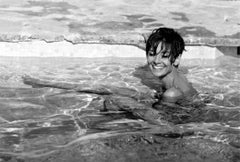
<point x="129" y="39"/>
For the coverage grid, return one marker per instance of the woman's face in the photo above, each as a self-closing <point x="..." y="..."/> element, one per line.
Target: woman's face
<point x="159" y="62"/>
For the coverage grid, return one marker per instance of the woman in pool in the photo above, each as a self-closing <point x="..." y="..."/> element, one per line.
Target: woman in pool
<point x="164" y="48"/>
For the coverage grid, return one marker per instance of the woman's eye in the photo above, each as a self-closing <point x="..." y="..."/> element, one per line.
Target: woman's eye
<point x="151" y="54"/>
<point x="165" y="54"/>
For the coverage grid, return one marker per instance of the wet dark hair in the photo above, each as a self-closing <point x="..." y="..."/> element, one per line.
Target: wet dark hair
<point x="167" y="35"/>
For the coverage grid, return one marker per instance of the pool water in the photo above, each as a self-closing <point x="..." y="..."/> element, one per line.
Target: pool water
<point x="39" y="121"/>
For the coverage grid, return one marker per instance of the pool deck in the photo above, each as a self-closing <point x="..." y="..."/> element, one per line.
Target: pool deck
<point x="203" y="22"/>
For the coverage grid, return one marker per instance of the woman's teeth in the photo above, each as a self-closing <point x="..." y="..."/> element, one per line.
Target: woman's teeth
<point x="158" y="66"/>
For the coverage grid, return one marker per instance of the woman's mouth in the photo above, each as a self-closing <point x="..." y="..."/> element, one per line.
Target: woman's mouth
<point x="158" y="66"/>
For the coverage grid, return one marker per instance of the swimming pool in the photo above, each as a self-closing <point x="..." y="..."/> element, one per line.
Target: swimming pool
<point x="52" y="124"/>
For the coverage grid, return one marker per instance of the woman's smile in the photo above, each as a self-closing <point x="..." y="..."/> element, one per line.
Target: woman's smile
<point x="158" y="66"/>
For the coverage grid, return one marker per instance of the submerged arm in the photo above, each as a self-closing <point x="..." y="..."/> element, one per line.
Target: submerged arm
<point x="84" y="88"/>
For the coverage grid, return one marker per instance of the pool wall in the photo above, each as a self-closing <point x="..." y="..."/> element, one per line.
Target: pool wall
<point x="90" y="50"/>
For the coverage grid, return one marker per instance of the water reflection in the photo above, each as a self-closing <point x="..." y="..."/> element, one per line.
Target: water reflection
<point x="38" y="121"/>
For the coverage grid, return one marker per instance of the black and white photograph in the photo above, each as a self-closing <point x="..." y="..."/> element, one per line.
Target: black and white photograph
<point x="119" y="81"/>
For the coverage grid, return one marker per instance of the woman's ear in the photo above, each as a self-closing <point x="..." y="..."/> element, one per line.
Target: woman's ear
<point x="177" y="61"/>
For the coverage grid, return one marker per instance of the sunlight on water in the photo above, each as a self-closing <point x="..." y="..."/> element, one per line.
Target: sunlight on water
<point x="37" y="121"/>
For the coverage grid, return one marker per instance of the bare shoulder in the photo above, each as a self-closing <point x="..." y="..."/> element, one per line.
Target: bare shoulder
<point x="172" y="95"/>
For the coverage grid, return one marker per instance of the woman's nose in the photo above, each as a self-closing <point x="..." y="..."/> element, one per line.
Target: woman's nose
<point x="158" y="58"/>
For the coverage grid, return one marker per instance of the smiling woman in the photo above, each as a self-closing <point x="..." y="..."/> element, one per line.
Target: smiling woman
<point x="164" y="49"/>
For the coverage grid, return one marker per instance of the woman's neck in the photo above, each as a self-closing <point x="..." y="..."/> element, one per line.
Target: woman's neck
<point x="168" y="80"/>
